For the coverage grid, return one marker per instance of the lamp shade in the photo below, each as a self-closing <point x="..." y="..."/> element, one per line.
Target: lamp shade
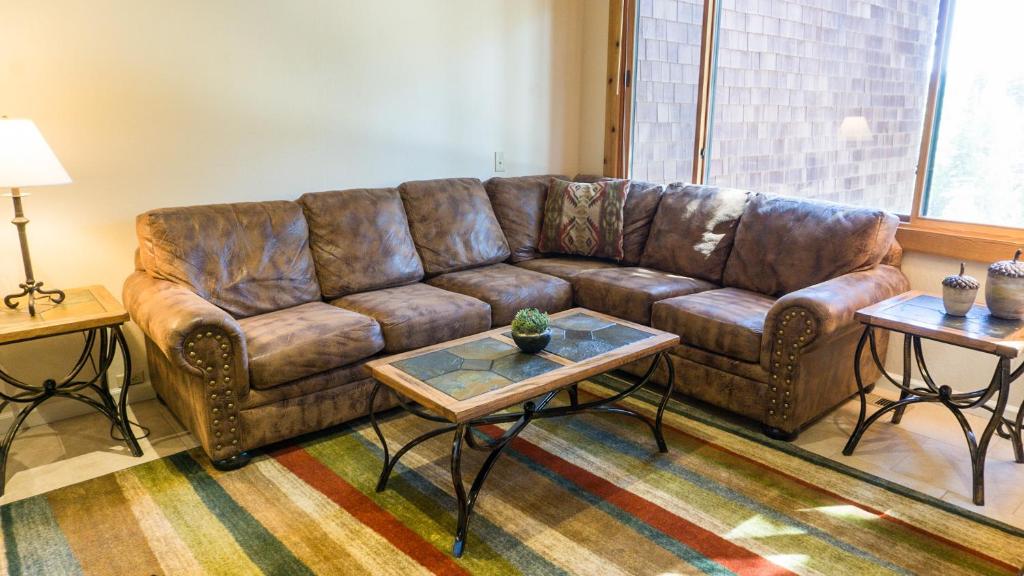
<point x="26" y="158"/>
<point x="855" y="129"/>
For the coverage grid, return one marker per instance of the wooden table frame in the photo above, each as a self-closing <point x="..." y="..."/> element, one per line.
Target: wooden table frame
<point x="1004" y="348"/>
<point x="464" y="417"/>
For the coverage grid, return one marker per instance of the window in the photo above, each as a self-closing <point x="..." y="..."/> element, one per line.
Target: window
<point x="811" y="102"/>
<point x="977" y="168"/>
<point x="668" y="50"/>
<point x="913" y="106"/>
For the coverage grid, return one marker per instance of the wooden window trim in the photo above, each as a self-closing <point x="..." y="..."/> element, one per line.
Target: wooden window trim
<point x="618" y="129"/>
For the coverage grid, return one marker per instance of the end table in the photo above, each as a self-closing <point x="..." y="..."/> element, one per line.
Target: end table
<point x="921" y="316"/>
<point x="95" y="313"/>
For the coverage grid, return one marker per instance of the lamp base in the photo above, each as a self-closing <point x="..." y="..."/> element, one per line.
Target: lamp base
<point x="31" y="289"/>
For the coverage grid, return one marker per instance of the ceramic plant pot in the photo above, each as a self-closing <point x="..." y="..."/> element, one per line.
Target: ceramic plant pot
<point x="958" y="293"/>
<point x="1004" y="290"/>
<point x="532" y="343"/>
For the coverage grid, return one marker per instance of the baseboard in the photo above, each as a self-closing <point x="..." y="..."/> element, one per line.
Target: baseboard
<point x="62" y="408"/>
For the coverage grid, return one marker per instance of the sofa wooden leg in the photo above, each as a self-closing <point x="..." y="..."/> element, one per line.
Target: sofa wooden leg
<point x="778" y="434"/>
<point x="234" y="463"/>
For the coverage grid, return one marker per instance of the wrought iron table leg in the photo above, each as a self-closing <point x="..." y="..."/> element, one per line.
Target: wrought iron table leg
<point x="574" y="395"/>
<point x="862" y="395"/>
<point x="897" y="415"/>
<point x="978" y="457"/>
<point x="658" y="435"/>
<point x="122" y="404"/>
<point x="460" y="493"/>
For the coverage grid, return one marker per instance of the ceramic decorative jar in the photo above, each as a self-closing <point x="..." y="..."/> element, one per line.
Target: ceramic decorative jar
<point x="530" y="330"/>
<point x="959" y="292"/>
<point x="1004" y="289"/>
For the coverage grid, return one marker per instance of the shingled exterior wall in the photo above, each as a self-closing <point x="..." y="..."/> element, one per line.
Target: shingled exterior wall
<point x="788" y="73"/>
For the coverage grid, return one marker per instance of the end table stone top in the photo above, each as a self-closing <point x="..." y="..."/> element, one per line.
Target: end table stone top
<point x="82" y="309"/>
<point x="922" y="314"/>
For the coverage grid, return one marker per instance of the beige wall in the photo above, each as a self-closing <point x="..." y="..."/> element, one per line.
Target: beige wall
<point x="151" y="103"/>
<point x="592" y="85"/>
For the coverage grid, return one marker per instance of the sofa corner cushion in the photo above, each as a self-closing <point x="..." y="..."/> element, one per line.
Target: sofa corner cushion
<point x="565" y="267"/>
<point x="693" y="230"/>
<point x="628" y="293"/>
<point x="419" y="315"/>
<point x="452" y="224"/>
<point x="304" y="340"/>
<point x="727" y="321"/>
<point x="518" y="204"/>
<point x="360" y="240"/>
<point x="508" y="289"/>
<point x="784" y="244"/>
<point x="248" y="258"/>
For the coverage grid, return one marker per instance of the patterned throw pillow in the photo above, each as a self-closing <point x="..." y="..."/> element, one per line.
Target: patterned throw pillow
<point x="584" y="219"/>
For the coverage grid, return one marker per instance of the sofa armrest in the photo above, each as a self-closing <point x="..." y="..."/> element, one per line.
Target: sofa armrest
<point x="192" y="333"/>
<point x="813" y="315"/>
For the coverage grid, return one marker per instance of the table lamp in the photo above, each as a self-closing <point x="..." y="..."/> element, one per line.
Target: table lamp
<point x="26" y="160"/>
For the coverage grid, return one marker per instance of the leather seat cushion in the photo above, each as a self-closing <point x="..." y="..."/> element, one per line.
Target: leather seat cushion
<point x="628" y="293"/>
<point x="297" y="342"/>
<point x="565" y="267"/>
<point x="419" y="315"/>
<point x="248" y="258"/>
<point x="694" y="229"/>
<point x="519" y="206"/>
<point x="508" y="289"/>
<point x="728" y="321"/>
<point x="360" y="241"/>
<point x="452" y="224"/>
<point x="785" y="244"/>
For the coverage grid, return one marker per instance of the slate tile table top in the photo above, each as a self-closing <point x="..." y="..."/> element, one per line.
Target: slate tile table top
<point x="486" y="372"/>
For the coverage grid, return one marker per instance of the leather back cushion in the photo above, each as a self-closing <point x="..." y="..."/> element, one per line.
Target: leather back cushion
<point x="360" y="241"/>
<point x="693" y="230"/>
<point x="785" y="244"/>
<point x="249" y="258"/>
<point x="519" y="206"/>
<point x="584" y="219"/>
<point x="452" y="224"/>
<point x="641" y="206"/>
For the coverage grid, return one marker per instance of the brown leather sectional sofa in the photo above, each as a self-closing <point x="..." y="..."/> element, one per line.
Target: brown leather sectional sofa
<point x="259" y="317"/>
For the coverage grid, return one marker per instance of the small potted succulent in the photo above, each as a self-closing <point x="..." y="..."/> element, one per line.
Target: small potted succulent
<point x="958" y="293"/>
<point x="530" y="330"/>
<point x="1004" y="290"/>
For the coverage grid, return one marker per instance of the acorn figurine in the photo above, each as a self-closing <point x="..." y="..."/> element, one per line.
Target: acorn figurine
<point x="1004" y="290"/>
<point x="958" y="293"/>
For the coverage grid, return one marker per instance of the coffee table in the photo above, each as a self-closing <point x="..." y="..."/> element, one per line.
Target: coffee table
<point x="473" y="381"/>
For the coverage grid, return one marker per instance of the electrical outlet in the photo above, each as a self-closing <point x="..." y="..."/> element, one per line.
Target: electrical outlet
<point x="499" y="161"/>
<point x="139" y="377"/>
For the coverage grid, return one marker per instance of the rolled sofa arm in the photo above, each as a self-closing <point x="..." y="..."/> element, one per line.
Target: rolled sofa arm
<point x="811" y="316"/>
<point x="814" y="318"/>
<point x="208" y="347"/>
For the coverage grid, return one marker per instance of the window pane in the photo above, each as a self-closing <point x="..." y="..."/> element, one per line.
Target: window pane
<point x="665" y="89"/>
<point x="978" y="167"/>
<point x="822" y="98"/>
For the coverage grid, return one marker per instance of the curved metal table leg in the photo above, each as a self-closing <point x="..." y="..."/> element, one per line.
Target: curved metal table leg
<point x="956" y="403"/>
<point x="111" y="338"/>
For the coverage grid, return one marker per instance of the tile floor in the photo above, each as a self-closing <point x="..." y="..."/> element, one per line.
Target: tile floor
<point x="926" y="452"/>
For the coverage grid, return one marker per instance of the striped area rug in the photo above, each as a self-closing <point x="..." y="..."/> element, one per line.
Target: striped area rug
<point x="581" y="495"/>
